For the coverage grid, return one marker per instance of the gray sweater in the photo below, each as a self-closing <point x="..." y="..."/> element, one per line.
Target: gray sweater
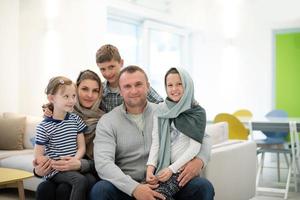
<point x="121" y="150"/>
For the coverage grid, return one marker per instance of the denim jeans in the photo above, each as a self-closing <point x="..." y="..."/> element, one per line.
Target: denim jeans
<point x="197" y="188"/>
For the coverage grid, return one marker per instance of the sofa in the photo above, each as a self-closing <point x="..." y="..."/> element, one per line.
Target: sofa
<point x="20" y="156"/>
<point x="232" y="167"/>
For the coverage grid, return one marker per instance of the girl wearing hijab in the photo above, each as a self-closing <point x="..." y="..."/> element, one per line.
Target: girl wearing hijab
<point x="178" y="130"/>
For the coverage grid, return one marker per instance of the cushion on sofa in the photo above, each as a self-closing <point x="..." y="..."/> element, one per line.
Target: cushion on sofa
<point x="218" y="132"/>
<point x="12" y="133"/>
<point x="30" y="129"/>
<point x="8" y="153"/>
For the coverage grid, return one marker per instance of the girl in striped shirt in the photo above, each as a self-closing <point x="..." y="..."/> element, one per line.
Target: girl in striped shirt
<point x="61" y="135"/>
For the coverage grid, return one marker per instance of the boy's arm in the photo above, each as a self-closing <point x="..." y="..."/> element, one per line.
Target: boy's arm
<point x="153" y="96"/>
<point x="80" y="146"/>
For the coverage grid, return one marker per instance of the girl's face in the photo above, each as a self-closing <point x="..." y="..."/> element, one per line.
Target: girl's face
<point x="174" y="87"/>
<point x="88" y="92"/>
<point x="65" y="99"/>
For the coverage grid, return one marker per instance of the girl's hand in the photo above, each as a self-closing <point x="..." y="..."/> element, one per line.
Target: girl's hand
<point x="66" y="163"/>
<point x="150" y="178"/>
<point x="42" y="167"/>
<point x="164" y="174"/>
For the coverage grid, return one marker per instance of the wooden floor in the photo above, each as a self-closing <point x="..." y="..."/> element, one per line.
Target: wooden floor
<point x="12" y="194"/>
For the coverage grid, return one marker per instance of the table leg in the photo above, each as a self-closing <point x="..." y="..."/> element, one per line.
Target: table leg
<point x="21" y="190"/>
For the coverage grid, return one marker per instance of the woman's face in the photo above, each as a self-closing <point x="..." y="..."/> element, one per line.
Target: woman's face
<point x="174" y="87"/>
<point x="88" y="92"/>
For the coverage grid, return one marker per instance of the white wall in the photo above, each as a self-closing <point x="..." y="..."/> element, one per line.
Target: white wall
<point x="43" y="38"/>
<point x="241" y="30"/>
<point x="9" y="53"/>
<point x="232" y="47"/>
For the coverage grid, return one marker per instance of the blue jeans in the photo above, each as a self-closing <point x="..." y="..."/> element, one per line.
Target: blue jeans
<point x="198" y="188"/>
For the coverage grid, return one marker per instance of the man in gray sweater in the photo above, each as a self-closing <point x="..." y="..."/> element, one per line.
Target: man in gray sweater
<point x="122" y="145"/>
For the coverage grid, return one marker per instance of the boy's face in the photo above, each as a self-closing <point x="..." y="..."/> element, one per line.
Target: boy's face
<point x="110" y="70"/>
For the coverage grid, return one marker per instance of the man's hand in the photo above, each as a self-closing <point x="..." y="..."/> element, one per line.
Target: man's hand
<point x="66" y="163"/>
<point x="146" y="192"/>
<point x="164" y="174"/>
<point x="189" y="171"/>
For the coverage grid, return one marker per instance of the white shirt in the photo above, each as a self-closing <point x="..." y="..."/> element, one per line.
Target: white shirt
<point x="183" y="148"/>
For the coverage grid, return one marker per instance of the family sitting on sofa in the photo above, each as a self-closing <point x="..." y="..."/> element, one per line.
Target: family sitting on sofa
<point x="122" y="137"/>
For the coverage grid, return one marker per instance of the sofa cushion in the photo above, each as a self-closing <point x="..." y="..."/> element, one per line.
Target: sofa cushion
<point x="218" y="132"/>
<point x="30" y="129"/>
<point x="232" y="170"/>
<point x="8" y="153"/>
<point x="11" y="133"/>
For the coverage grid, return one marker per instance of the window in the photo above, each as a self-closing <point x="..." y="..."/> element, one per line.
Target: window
<point x="167" y="49"/>
<point x="124" y="35"/>
<point x="152" y="45"/>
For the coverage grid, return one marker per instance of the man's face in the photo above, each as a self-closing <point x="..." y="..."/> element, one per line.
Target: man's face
<point x="110" y="70"/>
<point x="134" y="88"/>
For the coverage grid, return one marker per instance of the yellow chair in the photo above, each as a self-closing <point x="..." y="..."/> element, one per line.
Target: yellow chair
<point x="243" y="113"/>
<point x="237" y="130"/>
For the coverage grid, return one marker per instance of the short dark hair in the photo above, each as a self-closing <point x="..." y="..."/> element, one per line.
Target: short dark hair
<point x="107" y="53"/>
<point x="131" y="69"/>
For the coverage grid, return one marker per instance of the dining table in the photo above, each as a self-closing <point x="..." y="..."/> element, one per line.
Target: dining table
<point x="278" y="124"/>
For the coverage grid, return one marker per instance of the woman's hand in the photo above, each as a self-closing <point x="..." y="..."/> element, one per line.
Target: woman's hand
<point x="66" y="163"/>
<point x="164" y="174"/>
<point x="42" y="167"/>
<point x="48" y="109"/>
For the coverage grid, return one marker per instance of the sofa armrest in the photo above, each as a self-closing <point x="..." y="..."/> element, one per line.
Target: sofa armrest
<point x="232" y="170"/>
